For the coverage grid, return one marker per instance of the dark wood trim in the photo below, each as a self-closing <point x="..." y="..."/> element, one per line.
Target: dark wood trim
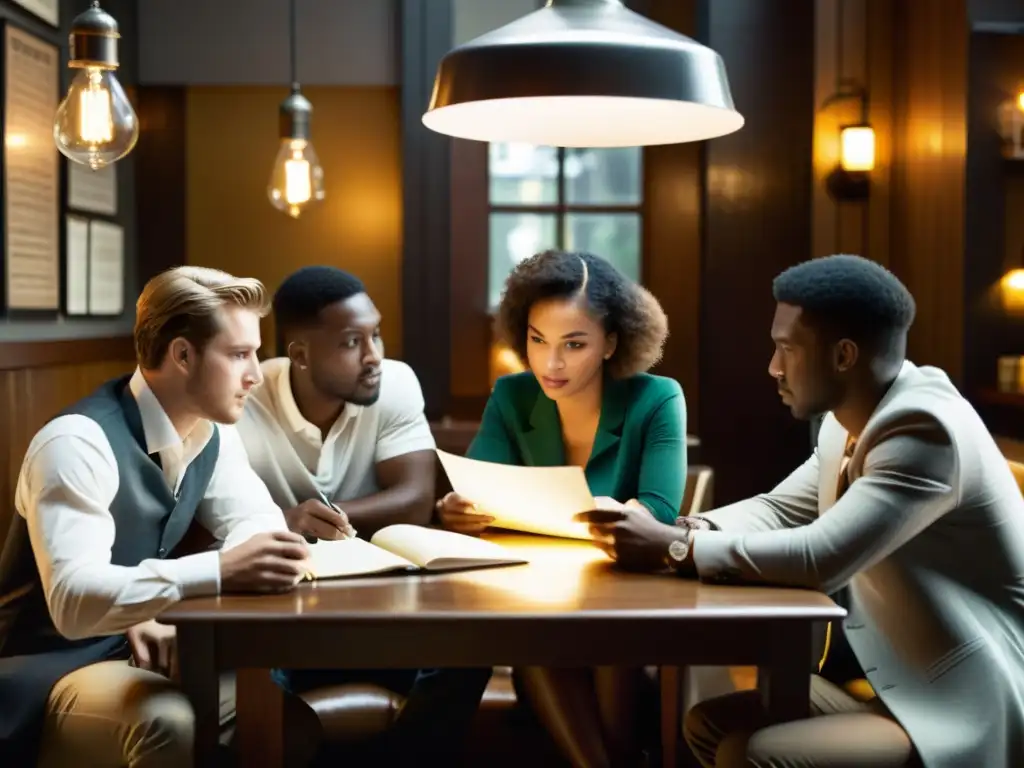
<point x="757" y="222"/>
<point x="995" y="397"/>
<point x="426" y="35"/>
<point x="470" y="320"/>
<point x="161" y="197"/>
<point x="673" y="184"/>
<point x="15" y="355"/>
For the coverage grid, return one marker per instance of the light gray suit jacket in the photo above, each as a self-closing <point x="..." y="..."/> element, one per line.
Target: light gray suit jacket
<point x="930" y="538"/>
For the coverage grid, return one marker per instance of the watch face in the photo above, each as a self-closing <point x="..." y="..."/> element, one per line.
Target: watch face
<point x="678" y="550"/>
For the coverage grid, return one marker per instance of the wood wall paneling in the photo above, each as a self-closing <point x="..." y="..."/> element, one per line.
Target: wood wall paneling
<point x="757" y="215"/>
<point x="673" y="188"/>
<point x="470" y="326"/>
<point x="426" y="35"/>
<point x="994" y="231"/>
<point x="929" y="172"/>
<point x="853" y="45"/>
<point x="40" y="387"/>
<point x="160" y="162"/>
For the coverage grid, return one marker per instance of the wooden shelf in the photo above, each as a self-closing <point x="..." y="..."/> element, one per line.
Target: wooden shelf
<point x="996" y="397"/>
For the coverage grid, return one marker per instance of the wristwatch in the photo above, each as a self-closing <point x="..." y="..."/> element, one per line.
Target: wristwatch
<point x="678" y="550"/>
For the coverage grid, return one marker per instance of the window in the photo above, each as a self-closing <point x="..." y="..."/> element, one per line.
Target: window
<point x="571" y="199"/>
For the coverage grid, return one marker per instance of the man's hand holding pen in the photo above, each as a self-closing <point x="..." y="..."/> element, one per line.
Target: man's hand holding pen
<point x="317" y="519"/>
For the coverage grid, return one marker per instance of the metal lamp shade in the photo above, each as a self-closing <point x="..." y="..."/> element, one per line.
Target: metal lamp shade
<point x="582" y="73"/>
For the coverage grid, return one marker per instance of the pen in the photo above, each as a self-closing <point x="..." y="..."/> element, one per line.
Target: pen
<point x="327" y="502"/>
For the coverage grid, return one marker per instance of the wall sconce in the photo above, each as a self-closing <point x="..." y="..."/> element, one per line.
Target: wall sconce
<point x="857" y="148"/>
<point x="1011" y="287"/>
<point x="851" y="178"/>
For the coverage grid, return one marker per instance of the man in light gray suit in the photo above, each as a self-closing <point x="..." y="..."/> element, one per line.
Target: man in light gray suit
<point x="908" y="503"/>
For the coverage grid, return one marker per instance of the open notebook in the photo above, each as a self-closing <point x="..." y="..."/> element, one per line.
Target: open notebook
<point x="405" y="548"/>
<point x="540" y="500"/>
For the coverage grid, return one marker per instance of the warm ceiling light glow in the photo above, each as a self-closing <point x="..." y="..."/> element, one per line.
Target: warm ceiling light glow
<point x="1014" y="280"/>
<point x="1020" y="99"/>
<point x="858" y="148"/>
<point x="582" y="73"/>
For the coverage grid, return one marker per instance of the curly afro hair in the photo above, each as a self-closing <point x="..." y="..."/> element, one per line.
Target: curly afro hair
<point x="623" y="307"/>
<point x="850" y="296"/>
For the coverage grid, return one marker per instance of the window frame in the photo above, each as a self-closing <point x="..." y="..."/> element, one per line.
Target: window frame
<point x="561" y="209"/>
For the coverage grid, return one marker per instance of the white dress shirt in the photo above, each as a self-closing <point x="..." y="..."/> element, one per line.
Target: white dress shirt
<point x="296" y="461"/>
<point x="68" y="480"/>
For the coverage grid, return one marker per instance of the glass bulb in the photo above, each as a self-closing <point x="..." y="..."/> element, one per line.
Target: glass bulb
<point x="297" y="179"/>
<point x="95" y="123"/>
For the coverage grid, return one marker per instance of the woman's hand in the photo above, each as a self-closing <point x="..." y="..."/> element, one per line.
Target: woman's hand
<point x="459" y="514"/>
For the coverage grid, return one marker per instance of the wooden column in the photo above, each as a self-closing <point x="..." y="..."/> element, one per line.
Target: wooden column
<point x="756" y="223"/>
<point x="426" y="32"/>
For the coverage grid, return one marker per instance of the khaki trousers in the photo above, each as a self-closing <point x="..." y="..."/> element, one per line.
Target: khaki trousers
<point x="114" y="715"/>
<point x="732" y="732"/>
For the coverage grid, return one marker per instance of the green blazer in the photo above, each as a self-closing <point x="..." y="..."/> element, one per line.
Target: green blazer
<point x="639" y="449"/>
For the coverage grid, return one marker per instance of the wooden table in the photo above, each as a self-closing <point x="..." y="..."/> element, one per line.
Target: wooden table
<point x="569" y="607"/>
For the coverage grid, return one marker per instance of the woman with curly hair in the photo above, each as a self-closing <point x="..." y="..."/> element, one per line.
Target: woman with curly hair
<point x="588" y="336"/>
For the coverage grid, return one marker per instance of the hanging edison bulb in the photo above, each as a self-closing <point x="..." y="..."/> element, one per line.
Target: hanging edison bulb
<point x="297" y="180"/>
<point x="95" y="124"/>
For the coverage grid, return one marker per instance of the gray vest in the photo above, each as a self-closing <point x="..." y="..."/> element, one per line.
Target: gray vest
<point x="149" y="523"/>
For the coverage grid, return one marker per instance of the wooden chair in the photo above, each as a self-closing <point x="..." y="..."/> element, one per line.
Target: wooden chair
<point x="696" y="499"/>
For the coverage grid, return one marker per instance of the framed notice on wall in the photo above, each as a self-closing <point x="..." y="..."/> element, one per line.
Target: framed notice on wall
<point x="31" y="174"/>
<point x="94" y="268"/>
<point x="106" y="268"/>
<point x="93" y="191"/>
<point x="76" y="281"/>
<point x="47" y="10"/>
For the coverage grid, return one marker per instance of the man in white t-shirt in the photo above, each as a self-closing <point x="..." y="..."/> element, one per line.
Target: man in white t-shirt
<point x="335" y="421"/>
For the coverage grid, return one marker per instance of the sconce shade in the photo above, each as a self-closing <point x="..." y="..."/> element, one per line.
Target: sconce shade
<point x="582" y="73"/>
<point x="857" y="150"/>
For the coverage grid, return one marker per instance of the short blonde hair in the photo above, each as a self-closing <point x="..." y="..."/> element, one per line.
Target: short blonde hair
<point x="184" y="302"/>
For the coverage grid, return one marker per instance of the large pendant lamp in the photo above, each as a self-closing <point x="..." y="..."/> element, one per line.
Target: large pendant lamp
<point x="582" y="73"/>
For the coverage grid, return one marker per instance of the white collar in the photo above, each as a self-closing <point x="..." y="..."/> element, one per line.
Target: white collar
<point x="289" y="408"/>
<point x="157" y="428"/>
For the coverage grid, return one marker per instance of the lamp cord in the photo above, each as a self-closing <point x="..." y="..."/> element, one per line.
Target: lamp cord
<point x="840" y="7"/>
<point x="291" y="43"/>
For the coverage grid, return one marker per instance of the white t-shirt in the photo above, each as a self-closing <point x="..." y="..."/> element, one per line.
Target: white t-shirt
<point x="289" y="455"/>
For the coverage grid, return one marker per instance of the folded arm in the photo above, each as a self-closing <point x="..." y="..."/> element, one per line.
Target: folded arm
<point x="67" y="483"/>
<point x="908" y="483"/>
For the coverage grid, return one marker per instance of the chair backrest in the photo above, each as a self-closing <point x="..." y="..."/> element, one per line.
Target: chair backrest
<point x="699" y="486"/>
<point x="1018" y="473"/>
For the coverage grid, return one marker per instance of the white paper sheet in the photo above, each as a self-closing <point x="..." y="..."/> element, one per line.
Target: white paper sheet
<point x="530" y="499"/>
